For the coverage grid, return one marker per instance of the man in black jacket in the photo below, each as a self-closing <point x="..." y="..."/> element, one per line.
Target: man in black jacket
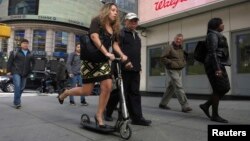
<point x="130" y="44"/>
<point x="20" y="64"/>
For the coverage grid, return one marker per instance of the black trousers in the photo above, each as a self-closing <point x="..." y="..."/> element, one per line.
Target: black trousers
<point x="131" y="82"/>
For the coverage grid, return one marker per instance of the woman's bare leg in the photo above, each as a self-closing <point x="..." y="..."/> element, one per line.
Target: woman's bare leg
<point x="106" y="87"/>
<point x="85" y="89"/>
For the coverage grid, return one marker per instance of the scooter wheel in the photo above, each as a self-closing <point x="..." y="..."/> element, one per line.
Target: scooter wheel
<point x="125" y="132"/>
<point x="85" y="119"/>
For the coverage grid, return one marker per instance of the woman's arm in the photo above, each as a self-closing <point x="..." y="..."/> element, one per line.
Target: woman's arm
<point x="124" y="58"/>
<point x="212" y="44"/>
<point x="118" y="50"/>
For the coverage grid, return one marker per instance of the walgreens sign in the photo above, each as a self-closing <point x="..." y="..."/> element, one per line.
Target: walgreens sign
<point x="150" y="10"/>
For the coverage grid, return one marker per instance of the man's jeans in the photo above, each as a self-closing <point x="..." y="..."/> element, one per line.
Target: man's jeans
<point x="76" y="80"/>
<point x="19" y="84"/>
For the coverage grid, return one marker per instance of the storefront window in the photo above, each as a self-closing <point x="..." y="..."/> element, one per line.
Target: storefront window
<point x="39" y="40"/>
<point x="61" y="41"/>
<point x="21" y="7"/>
<point x="193" y="67"/>
<point x="4" y="45"/>
<point x="243" y="52"/>
<point x="3" y="56"/>
<point x="77" y="39"/>
<point x="18" y="36"/>
<point x="156" y="68"/>
<point x="127" y="5"/>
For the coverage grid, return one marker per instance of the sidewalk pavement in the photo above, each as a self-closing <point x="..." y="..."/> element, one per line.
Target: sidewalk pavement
<point x="42" y="118"/>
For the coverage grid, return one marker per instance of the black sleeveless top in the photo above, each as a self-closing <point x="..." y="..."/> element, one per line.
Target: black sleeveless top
<point x="107" y="39"/>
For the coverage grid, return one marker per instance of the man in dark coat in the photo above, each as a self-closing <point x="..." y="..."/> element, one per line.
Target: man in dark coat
<point x="20" y="64"/>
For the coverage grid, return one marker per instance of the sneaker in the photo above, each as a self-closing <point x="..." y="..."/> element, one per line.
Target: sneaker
<point x="84" y="103"/>
<point x="186" y="109"/>
<point x="161" y="106"/>
<point x="18" y="106"/>
<point x="72" y="103"/>
<point x="142" y="122"/>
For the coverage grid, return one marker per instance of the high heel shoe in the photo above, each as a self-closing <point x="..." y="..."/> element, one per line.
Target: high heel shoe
<point x="60" y="93"/>
<point x="97" y="123"/>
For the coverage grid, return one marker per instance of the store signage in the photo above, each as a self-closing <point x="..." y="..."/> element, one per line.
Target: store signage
<point x="18" y="17"/>
<point x="47" y="18"/>
<point x="167" y="3"/>
<point x="151" y="10"/>
<point x="41" y="17"/>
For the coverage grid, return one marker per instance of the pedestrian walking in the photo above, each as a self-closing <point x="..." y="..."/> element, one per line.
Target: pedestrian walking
<point x="20" y="64"/>
<point x="74" y="72"/>
<point x="216" y="59"/>
<point x="174" y="60"/>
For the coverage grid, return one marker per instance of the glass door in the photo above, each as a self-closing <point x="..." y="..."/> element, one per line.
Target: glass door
<point x="156" y="75"/>
<point x="241" y="63"/>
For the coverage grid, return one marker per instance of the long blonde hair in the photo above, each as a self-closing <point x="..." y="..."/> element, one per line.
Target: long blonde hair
<point x="104" y="13"/>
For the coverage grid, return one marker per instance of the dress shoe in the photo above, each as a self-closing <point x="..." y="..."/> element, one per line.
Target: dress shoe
<point x="219" y="119"/>
<point x="205" y="109"/>
<point x="161" y="106"/>
<point x="108" y="118"/>
<point x="186" y="109"/>
<point x="18" y="106"/>
<point x="142" y="122"/>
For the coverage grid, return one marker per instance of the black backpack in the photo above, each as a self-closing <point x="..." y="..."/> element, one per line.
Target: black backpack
<point x="200" y="51"/>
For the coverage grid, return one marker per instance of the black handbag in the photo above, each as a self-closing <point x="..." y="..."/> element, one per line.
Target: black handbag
<point x="200" y="51"/>
<point x="89" y="51"/>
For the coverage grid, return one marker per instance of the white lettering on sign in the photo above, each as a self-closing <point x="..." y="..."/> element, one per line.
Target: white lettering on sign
<point x="231" y="133"/>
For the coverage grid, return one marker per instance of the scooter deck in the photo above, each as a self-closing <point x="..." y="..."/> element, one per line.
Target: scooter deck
<point x="92" y="126"/>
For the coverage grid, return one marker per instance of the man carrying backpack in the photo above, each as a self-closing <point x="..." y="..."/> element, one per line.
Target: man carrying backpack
<point x="73" y="67"/>
<point x="20" y="64"/>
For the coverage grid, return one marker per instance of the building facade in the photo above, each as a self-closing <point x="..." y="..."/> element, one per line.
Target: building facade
<point x="49" y="25"/>
<point x="163" y="19"/>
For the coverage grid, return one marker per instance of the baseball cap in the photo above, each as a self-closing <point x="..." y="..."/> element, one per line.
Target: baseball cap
<point x="131" y="16"/>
